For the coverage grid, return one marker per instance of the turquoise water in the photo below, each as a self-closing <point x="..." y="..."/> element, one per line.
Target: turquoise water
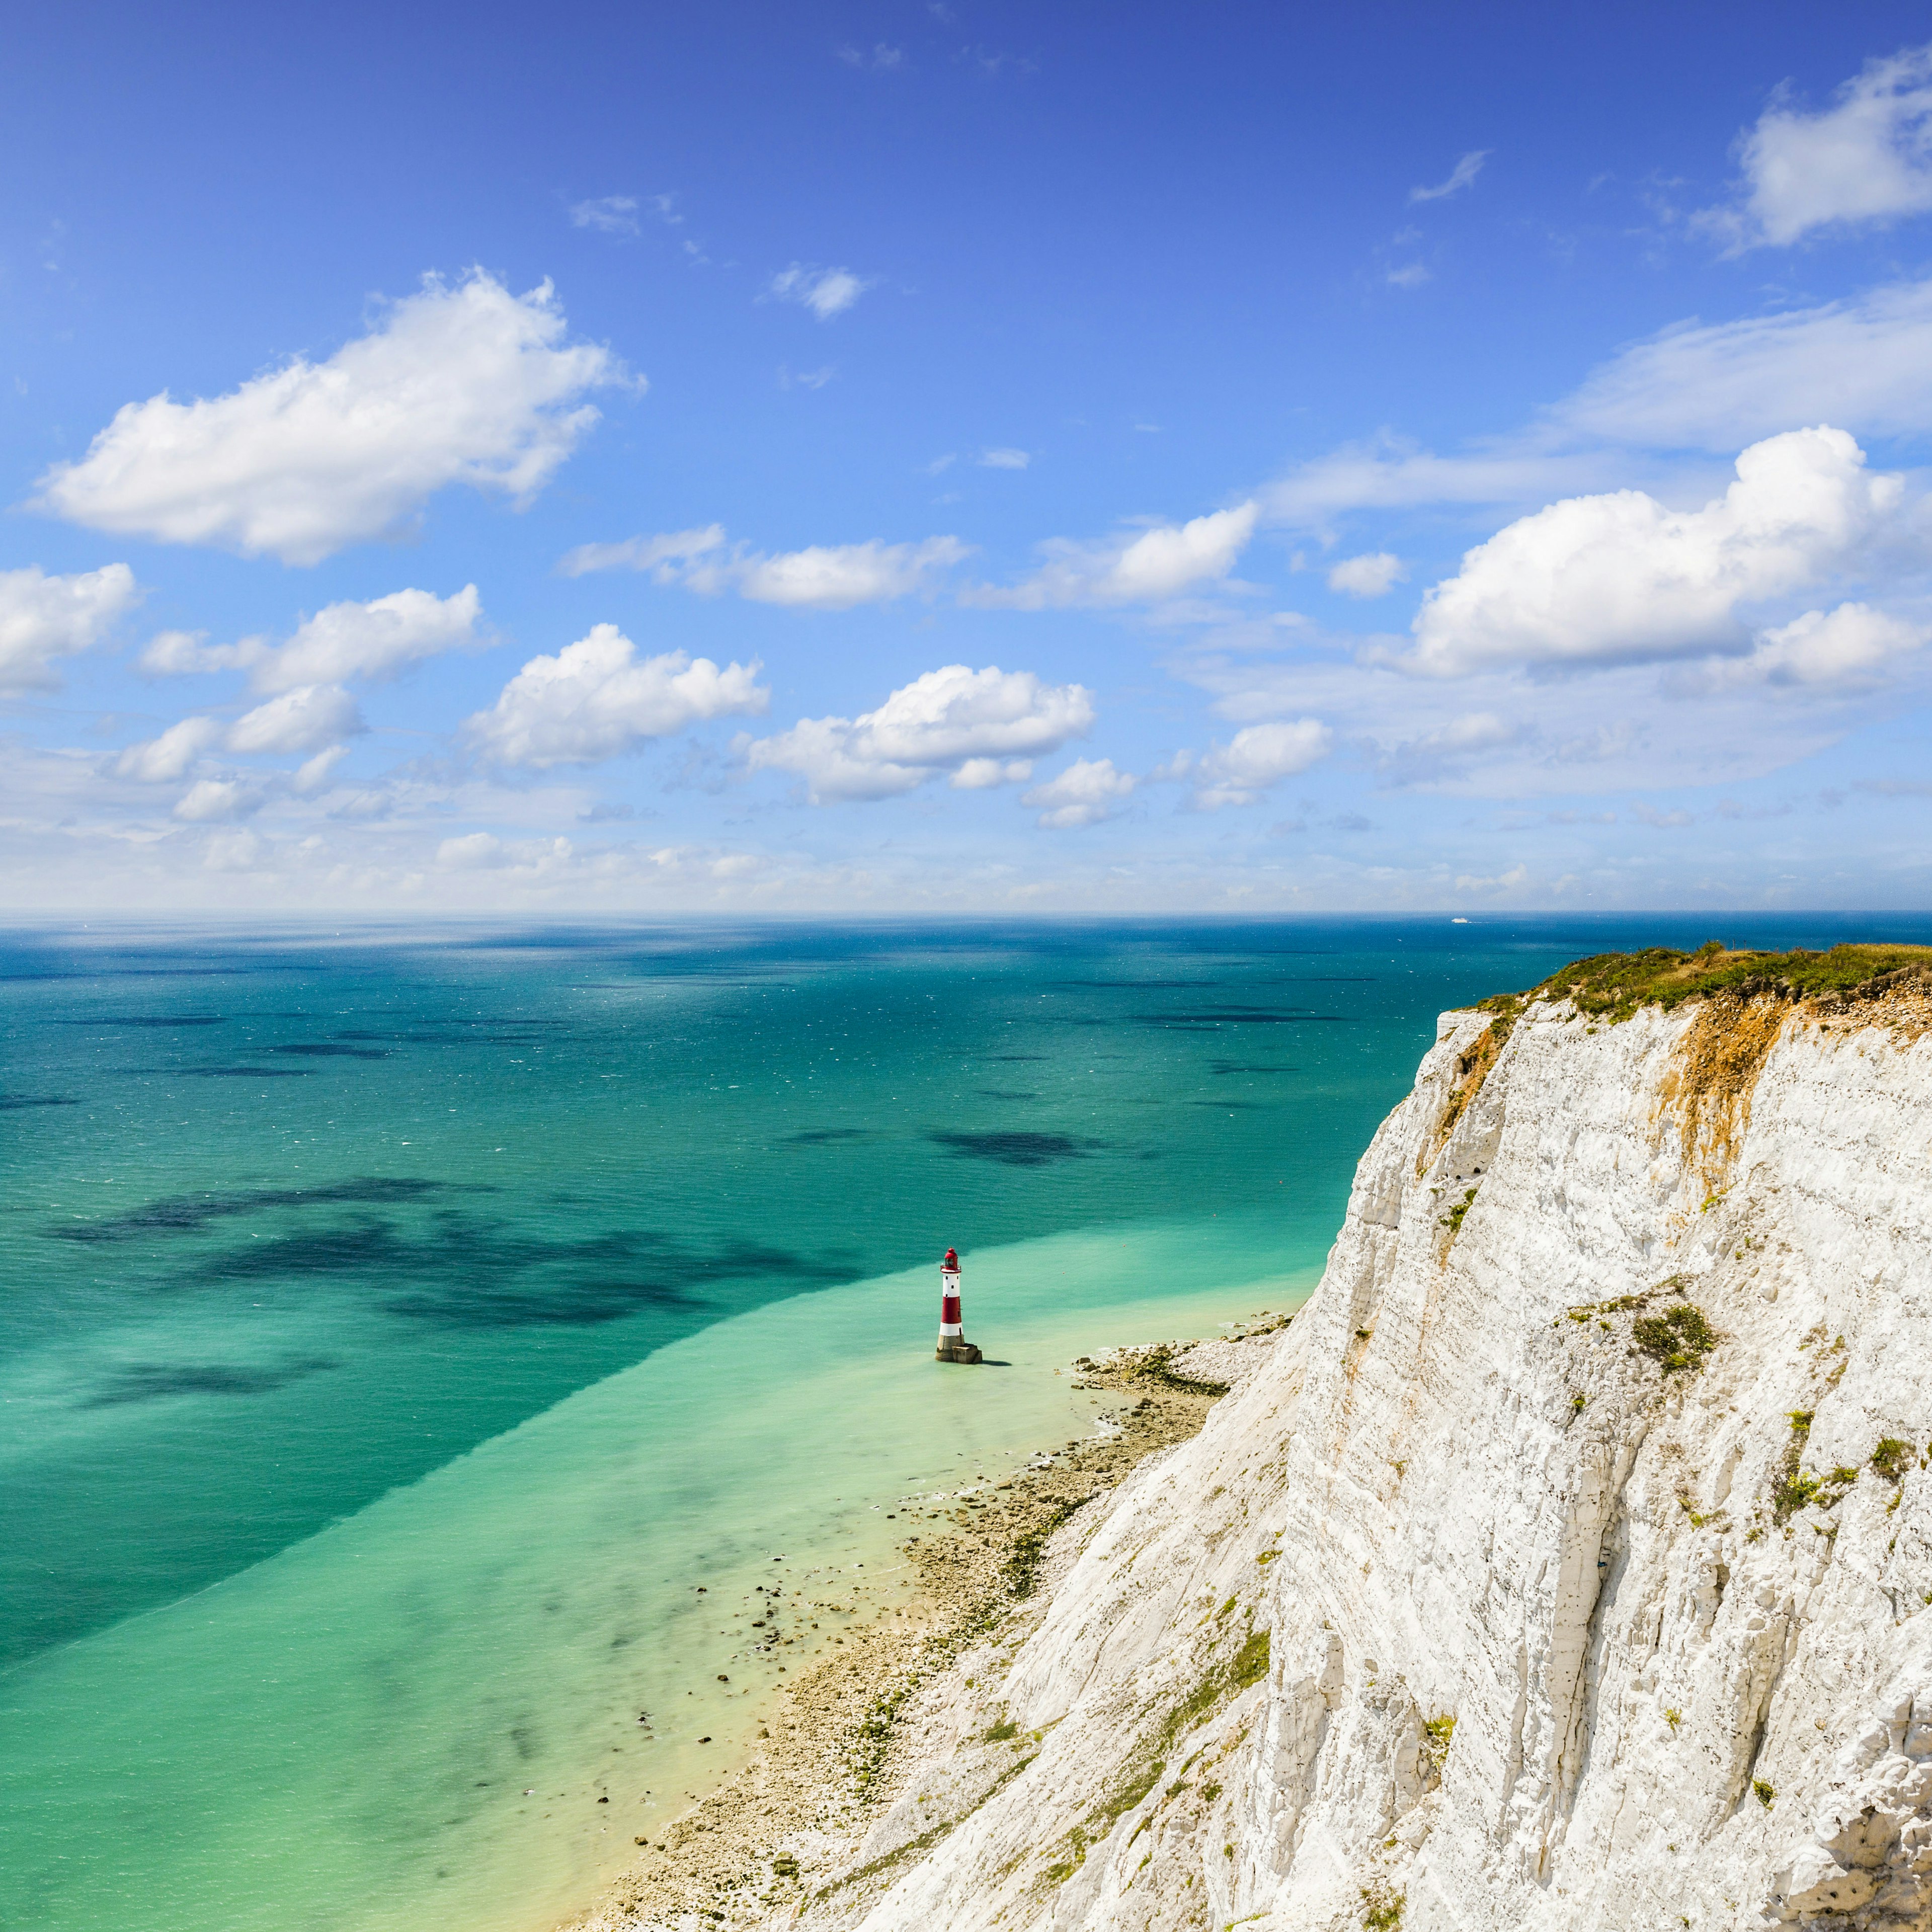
<point x="399" y="1329"/>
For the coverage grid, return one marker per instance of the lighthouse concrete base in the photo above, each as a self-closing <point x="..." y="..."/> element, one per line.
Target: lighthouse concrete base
<point x="955" y="1349"/>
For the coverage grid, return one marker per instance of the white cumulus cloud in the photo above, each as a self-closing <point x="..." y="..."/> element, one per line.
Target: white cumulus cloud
<point x="1845" y="646"/>
<point x="463" y="384"/>
<point x="376" y="640"/>
<point x="954" y="720"/>
<point x="1866" y="159"/>
<point x="1154" y="565"/>
<point x="1087" y="791"/>
<point x="834" y="577"/>
<point x="304" y="719"/>
<point x="596" y="698"/>
<point x="822" y="576"/>
<point x="1618" y="578"/>
<point x="473" y="850"/>
<point x="43" y="618"/>
<point x="1372" y="576"/>
<point x="169" y="758"/>
<point x="216" y="799"/>
<point x="825" y="292"/>
<point x="1257" y="757"/>
<point x="1005" y="459"/>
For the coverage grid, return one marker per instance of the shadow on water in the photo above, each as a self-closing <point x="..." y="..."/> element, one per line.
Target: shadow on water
<point x="464" y="1271"/>
<point x="1013" y="1148"/>
<point x="155" y="1381"/>
<point x="240" y="1073"/>
<point x="162" y="1021"/>
<point x="188" y="1213"/>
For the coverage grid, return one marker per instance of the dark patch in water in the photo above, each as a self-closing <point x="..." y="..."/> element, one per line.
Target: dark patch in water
<point x="240" y="1073"/>
<point x="12" y="1103"/>
<point x="1246" y="1066"/>
<point x="139" y="973"/>
<point x="449" y="1039"/>
<point x="1004" y="1093"/>
<point x="1015" y="1149"/>
<point x="154" y="1381"/>
<point x="1135" y="985"/>
<point x="469" y="1272"/>
<point x="1015" y="1056"/>
<point x="1207" y="1019"/>
<point x="143" y="1020"/>
<point x="1234" y="1106"/>
<point x="187" y="1214"/>
<point x="329" y="1050"/>
<point x="824" y="1136"/>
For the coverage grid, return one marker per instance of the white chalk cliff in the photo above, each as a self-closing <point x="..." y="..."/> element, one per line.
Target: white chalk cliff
<point x="1689" y="1669"/>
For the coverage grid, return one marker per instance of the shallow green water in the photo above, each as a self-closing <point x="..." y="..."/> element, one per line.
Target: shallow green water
<point x="399" y="1329"/>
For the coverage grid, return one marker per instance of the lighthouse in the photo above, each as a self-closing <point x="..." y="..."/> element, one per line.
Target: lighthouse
<point x="953" y="1345"/>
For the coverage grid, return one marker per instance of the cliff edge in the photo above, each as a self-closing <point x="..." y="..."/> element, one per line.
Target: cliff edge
<point x="1568" y="1564"/>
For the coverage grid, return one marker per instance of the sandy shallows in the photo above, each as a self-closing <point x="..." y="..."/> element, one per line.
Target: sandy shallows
<point x="819" y="1817"/>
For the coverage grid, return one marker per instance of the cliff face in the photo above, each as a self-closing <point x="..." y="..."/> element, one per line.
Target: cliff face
<point x="1507" y="1595"/>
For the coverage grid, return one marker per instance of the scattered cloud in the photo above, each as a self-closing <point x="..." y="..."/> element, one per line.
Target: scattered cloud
<point x="595" y="699"/>
<point x="1692" y="387"/>
<point x="1867" y="159"/>
<point x="213" y="800"/>
<point x="375" y="641"/>
<point x="1860" y="364"/>
<point x="470" y="850"/>
<point x="1148" y="568"/>
<point x="1410" y="275"/>
<point x="1460" y="176"/>
<point x="822" y="577"/>
<point x="1845" y="646"/>
<point x="168" y="759"/>
<point x="465" y="384"/>
<point x="608" y="215"/>
<point x="1372" y="576"/>
<point x="314" y="774"/>
<point x="825" y="292"/>
<point x="954" y="721"/>
<point x="1004" y="459"/>
<point x="1260" y="755"/>
<point x="1087" y="791"/>
<point x="1390" y="474"/>
<point x="669" y="551"/>
<point x="302" y="720"/>
<point x="879" y="58"/>
<point x="1513" y="880"/>
<point x="836" y="577"/>
<point x="44" y="618"/>
<point x="1618" y="578"/>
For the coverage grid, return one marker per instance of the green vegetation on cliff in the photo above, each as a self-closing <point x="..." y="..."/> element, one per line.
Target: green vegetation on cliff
<point x="1615" y="985"/>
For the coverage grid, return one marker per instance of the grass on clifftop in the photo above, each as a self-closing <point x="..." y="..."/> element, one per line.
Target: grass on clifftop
<point x="1616" y="984"/>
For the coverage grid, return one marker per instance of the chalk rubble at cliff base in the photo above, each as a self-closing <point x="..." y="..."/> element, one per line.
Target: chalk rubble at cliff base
<point x="1506" y="1594"/>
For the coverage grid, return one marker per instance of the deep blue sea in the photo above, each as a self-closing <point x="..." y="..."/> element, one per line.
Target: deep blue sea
<point x="398" y="1327"/>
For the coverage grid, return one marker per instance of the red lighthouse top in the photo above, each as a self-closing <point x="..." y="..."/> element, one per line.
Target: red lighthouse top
<point x="951" y="1263"/>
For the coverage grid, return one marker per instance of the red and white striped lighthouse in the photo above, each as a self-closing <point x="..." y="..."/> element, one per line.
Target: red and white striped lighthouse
<point x="953" y="1345"/>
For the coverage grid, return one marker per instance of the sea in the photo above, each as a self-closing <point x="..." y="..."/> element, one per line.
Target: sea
<point x="423" y="1350"/>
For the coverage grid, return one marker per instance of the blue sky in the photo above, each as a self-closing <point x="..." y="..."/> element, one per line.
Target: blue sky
<point x="954" y="456"/>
